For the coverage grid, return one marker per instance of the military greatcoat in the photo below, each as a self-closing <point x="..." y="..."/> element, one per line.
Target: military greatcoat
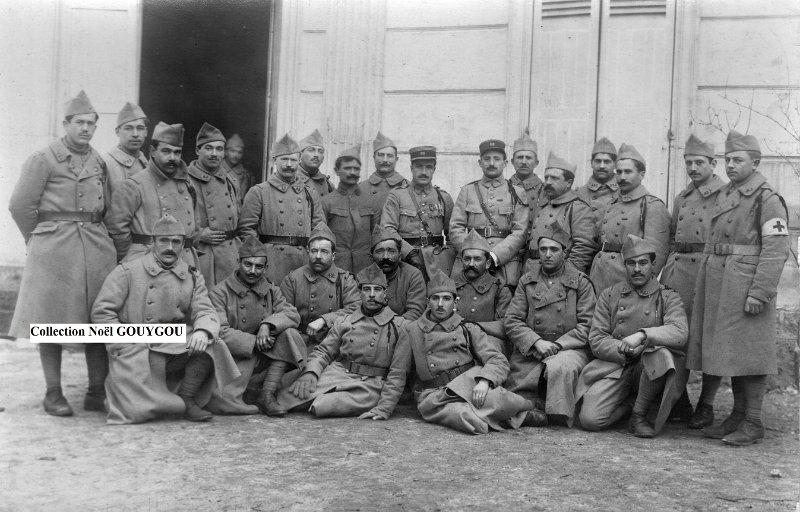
<point x="320" y="181"/>
<point x="351" y="215"/>
<point x="406" y="291"/>
<point x="449" y="358"/>
<point x="357" y="367"/>
<point x="66" y="261"/>
<point x="689" y="230"/>
<point x="534" y="190"/>
<point x="277" y="208"/>
<point x="377" y="187"/>
<point x="484" y="301"/>
<point x="508" y="208"/>
<point x="608" y="380"/>
<point x="558" y="308"/>
<point x="122" y="166"/>
<point x="216" y="208"/>
<point x="635" y="213"/>
<point x="576" y="218"/>
<point x="243" y="178"/>
<point x="748" y="246"/>
<point x="143" y="199"/>
<point x="139" y="386"/>
<point x="598" y="195"/>
<point x="241" y="310"/>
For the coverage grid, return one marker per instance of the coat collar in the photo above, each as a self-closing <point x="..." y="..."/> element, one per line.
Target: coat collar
<point x="708" y="188"/>
<point x="196" y="171"/>
<point x="393" y="179"/>
<point x="569" y="276"/>
<point x="312" y="276"/>
<point x="752" y="184"/>
<point x="427" y="325"/>
<point x="61" y="151"/>
<point x="637" y="193"/>
<point x="261" y="288"/>
<point x="482" y="284"/>
<point x="647" y="290"/>
<point x="355" y="191"/>
<point x="151" y="266"/>
<point x="567" y="197"/>
<point x="533" y="181"/>
<point x="492" y="182"/>
<point x="594" y="185"/>
<point x="126" y="160"/>
<point x="384" y="317"/>
<point x="318" y="178"/>
<point x="180" y="174"/>
<point x="281" y="185"/>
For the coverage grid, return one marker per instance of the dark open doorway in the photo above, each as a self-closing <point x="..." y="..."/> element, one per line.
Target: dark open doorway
<point x="207" y="61"/>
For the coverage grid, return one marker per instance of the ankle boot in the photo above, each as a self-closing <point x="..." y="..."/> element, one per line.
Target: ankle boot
<point x="703" y="416"/>
<point x="749" y="432"/>
<point x="682" y="411"/>
<point x="198" y="369"/>
<point x="55" y="404"/>
<point x="729" y="426"/>
<point x="95" y="399"/>
<point x="267" y="403"/>
<point x="640" y="427"/>
<point x="535" y="418"/>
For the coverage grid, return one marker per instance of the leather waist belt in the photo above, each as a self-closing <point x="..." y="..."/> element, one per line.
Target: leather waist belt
<point x="737" y="249"/>
<point x="230" y="235"/>
<point x="549" y="336"/>
<point x="425" y="241"/>
<point x="533" y="254"/>
<point x="299" y="241"/>
<point x="611" y="247"/>
<point x="71" y="216"/>
<point x="138" y="238"/>
<point x="364" y="369"/>
<point x="687" y="247"/>
<point x="489" y="232"/>
<point x="444" y="379"/>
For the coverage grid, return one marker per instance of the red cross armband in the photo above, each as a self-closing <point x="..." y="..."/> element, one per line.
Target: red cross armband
<point x="775" y="227"/>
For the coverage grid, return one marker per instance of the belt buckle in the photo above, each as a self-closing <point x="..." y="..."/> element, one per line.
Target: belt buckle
<point x="291" y="239"/>
<point x="486" y="232"/>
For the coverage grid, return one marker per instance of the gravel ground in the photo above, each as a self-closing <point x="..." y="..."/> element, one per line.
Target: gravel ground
<point x="255" y="463"/>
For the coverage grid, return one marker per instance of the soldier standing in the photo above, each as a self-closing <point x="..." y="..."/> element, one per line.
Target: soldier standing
<point x="126" y="159"/>
<point x="216" y="209"/>
<point x="58" y="206"/>
<point x="602" y="185"/>
<point x="282" y="212"/>
<point x="733" y="318"/>
<point x="312" y="154"/>
<point x="232" y="164"/>
<point x="385" y="178"/>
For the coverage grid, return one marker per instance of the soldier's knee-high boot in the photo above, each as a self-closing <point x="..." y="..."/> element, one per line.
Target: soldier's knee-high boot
<point x="269" y="405"/>
<point x="97" y="367"/>
<point x="198" y="368"/>
<point x="54" y="402"/>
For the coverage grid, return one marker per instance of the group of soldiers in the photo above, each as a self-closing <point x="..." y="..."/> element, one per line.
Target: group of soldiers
<point x="524" y="302"/>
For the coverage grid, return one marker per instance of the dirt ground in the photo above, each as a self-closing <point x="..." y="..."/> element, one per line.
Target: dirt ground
<point x="255" y="463"/>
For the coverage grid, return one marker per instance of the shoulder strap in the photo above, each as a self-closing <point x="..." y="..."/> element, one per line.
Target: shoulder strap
<point x="420" y="216"/>
<point x="484" y="207"/>
<point x="514" y="197"/>
<point x="339" y="290"/>
<point x="444" y="210"/>
<point x="310" y="201"/>
<point x="643" y="214"/>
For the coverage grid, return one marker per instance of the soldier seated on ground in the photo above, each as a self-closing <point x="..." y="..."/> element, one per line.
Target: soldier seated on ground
<point x="354" y="370"/>
<point x="458" y="372"/>
<point x="638" y="336"/>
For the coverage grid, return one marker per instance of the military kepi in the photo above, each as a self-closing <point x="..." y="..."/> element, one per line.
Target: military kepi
<point x="474" y="240"/>
<point x="80" y="104"/>
<point x="626" y="151"/>
<point x="422" y="153"/>
<point x="382" y="141"/>
<point x="525" y="143"/>
<point x="208" y="134"/>
<point x="555" y="231"/>
<point x="315" y="139"/>
<point x="285" y="146"/>
<point x="635" y="246"/>
<point x="171" y="134"/>
<point x="379" y="234"/>
<point x="556" y="162"/>
<point x="168" y="225"/>
<point x="696" y="147"/>
<point x="372" y="275"/>
<point x="441" y="282"/>
<point x="130" y="112"/>
<point x="252" y="248"/>
<point x="492" y="145"/>
<point x="738" y="142"/>
<point x="603" y="145"/>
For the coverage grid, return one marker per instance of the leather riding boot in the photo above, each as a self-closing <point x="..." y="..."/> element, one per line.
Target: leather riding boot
<point x="198" y="369"/>
<point x="55" y="404"/>
<point x="267" y="403"/>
